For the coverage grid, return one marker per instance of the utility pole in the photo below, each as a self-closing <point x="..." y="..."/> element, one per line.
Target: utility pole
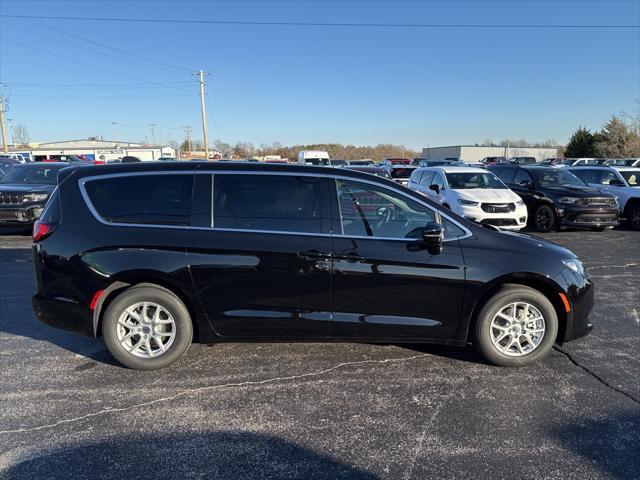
<point x="5" y="146"/>
<point x="153" y="133"/>
<point x="204" y="114"/>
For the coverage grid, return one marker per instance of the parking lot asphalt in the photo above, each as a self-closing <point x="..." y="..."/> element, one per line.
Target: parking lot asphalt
<point x="325" y="410"/>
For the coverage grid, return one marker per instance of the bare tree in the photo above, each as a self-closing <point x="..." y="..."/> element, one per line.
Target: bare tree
<point x="21" y="134"/>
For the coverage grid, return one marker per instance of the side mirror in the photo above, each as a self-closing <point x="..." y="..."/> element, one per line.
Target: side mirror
<point x="435" y="188"/>
<point x="526" y="184"/>
<point x="432" y="237"/>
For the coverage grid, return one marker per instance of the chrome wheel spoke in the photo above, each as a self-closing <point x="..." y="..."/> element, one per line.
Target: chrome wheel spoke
<point x="513" y="322"/>
<point x="137" y="327"/>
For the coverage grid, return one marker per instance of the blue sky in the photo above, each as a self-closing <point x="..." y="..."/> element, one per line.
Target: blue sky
<point x="412" y="86"/>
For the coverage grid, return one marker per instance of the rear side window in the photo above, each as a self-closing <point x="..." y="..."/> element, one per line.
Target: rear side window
<point x="143" y="199"/>
<point x="280" y="203"/>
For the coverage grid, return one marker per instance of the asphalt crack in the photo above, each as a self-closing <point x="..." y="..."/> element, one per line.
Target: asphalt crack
<point x="213" y="387"/>
<point x="594" y="375"/>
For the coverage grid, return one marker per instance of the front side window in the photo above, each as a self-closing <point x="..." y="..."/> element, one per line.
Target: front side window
<point x="607" y="177"/>
<point x="373" y="211"/>
<point x="522" y="176"/>
<point x="143" y="199"/>
<point x="556" y="177"/>
<point x="506" y="174"/>
<point x="427" y="179"/>
<point x="279" y="203"/>
<point x="438" y="180"/>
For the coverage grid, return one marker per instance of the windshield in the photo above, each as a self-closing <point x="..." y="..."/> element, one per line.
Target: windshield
<point x="316" y="161"/>
<point x="401" y="172"/>
<point x="632" y="177"/>
<point x="31" y="175"/>
<point x="555" y="178"/>
<point x="464" y="180"/>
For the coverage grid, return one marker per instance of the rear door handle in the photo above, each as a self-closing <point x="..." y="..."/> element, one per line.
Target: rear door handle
<point x="315" y="254"/>
<point x="350" y="257"/>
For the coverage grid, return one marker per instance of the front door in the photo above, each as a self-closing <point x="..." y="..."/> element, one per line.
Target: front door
<point x="385" y="283"/>
<point x="261" y="262"/>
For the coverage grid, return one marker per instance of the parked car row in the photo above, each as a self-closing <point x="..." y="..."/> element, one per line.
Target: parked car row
<point x="509" y="196"/>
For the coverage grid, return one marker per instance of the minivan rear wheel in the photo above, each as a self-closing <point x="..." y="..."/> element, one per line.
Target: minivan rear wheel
<point x="147" y="328"/>
<point x="517" y="326"/>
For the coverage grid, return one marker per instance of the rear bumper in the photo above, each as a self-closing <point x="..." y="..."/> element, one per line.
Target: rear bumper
<point x="64" y="313"/>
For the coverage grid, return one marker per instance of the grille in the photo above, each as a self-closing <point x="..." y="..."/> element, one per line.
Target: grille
<point x="595" y="218"/>
<point x="10" y="199"/>
<point x="500" y="222"/>
<point x="498" y="207"/>
<point x="597" y="201"/>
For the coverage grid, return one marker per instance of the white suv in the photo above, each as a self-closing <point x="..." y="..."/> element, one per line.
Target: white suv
<point x="474" y="193"/>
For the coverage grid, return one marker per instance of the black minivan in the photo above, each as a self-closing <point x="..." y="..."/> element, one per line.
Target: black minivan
<point x="154" y="256"/>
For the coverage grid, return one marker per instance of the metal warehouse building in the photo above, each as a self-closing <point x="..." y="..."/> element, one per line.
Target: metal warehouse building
<point x="473" y="153"/>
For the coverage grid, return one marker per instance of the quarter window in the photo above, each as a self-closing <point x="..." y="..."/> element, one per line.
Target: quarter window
<point x="281" y="203"/>
<point x="143" y="199"/>
<point x="372" y="211"/>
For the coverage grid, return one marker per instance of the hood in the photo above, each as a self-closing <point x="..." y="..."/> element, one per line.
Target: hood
<point x="26" y="188"/>
<point x="579" y="192"/>
<point x="488" y="195"/>
<point x="534" y="246"/>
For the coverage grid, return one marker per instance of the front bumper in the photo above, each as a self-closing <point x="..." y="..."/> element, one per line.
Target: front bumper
<point x="581" y="295"/>
<point x="15" y="216"/>
<point x="589" y="217"/>
<point x="515" y="220"/>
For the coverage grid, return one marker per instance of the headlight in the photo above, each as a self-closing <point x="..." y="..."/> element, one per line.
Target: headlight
<point x="575" y="265"/>
<point x="569" y="200"/>
<point x="468" y="203"/>
<point x="520" y="203"/>
<point x="34" y="197"/>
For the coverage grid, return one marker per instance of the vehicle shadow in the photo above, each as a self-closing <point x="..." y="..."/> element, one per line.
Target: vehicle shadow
<point x="611" y="442"/>
<point x="220" y="455"/>
<point x="464" y="354"/>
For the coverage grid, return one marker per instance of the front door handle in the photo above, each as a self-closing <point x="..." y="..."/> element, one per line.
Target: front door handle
<point x="314" y="254"/>
<point x="349" y="257"/>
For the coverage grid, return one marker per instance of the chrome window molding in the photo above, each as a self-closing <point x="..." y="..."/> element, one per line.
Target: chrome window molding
<point x="82" y="181"/>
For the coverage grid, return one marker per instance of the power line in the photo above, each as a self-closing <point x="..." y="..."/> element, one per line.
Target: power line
<point x="94" y="85"/>
<point x="93" y="96"/>
<point x="102" y="69"/>
<point x="93" y="50"/>
<point x="324" y="24"/>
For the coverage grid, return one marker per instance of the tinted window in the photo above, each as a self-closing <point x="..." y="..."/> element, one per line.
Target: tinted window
<point x="522" y="176"/>
<point x="507" y="175"/>
<point x="51" y="212"/>
<point x="556" y="177"/>
<point x="464" y="180"/>
<point x="372" y="211"/>
<point x="146" y="199"/>
<point x="283" y="203"/>
<point x="587" y="176"/>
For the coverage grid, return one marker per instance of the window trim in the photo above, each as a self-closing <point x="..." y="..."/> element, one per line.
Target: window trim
<point x="331" y="176"/>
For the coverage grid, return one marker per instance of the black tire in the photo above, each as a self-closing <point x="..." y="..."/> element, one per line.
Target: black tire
<point x="632" y="214"/>
<point x="168" y="301"/>
<point x="508" y="294"/>
<point x="545" y="219"/>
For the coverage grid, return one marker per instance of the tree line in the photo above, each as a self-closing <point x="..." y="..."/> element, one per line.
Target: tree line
<point x="618" y="138"/>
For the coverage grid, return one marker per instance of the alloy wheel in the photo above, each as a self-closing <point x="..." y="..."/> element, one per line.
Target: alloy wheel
<point x="146" y="329"/>
<point x="634" y="217"/>
<point x="517" y="329"/>
<point x="544" y="217"/>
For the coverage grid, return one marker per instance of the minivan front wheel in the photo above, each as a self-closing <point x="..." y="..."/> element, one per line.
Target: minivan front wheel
<point x="545" y="218"/>
<point x="146" y="328"/>
<point x="516" y="327"/>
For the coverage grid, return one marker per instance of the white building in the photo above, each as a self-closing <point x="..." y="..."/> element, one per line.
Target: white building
<point x="473" y="153"/>
<point x="98" y="149"/>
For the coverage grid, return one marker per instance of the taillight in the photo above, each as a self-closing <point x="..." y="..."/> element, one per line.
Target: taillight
<point x="42" y="230"/>
<point x="99" y="162"/>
